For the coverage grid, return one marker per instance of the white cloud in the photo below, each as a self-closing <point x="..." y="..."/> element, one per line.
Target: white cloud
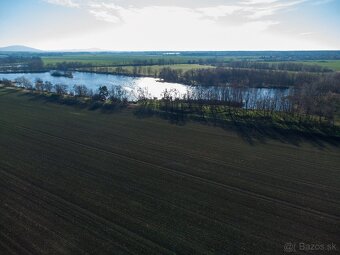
<point x="219" y="11"/>
<point x="255" y="9"/>
<point x="105" y="16"/>
<point x="260" y="1"/>
<point x="247" y="9"/>
<point x="307" y="33"/>
<point x="68" y="3"/>
<point x="239" y="25"/>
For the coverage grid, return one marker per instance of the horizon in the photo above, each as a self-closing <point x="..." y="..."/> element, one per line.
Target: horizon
<point x="91" y="50"/>
<point x="137" y="26"/>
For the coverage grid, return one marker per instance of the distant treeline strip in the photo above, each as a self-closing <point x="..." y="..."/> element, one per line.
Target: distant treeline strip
<point x="21" y="64"/>
<point x="284" y="66"/>
<point x="244" y="77"/>
<point x="34" y="63"/>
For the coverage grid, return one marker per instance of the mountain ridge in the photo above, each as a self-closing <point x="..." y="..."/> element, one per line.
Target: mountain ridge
<point x="19" y="48"/>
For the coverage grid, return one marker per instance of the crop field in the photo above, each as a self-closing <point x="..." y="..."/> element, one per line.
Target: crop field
<point x="120" y="59"/>
<point x="333" y="64"/>
<point x="128" y="59"/>
<point x="101" y="60"/>
<point x="74" y="181"/>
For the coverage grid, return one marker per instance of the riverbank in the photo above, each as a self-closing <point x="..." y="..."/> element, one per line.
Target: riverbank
<point x="252" y="123"/>
<point x="317" y="99"/>
<point x="23" y="71"/>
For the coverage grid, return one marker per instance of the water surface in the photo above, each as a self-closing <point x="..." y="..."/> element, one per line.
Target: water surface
<point x="94" y="81"/>
<point x="250" y="97"/>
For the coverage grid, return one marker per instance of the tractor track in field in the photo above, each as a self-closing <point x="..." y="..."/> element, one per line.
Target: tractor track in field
<point x="187" y="175"/>
<point x="208" y="159"/>
<point x="173" y="205"/>
<point x="242" y="168"/>
<point x="95" y="175"/>
<point x="29" y="198"/>
<point x="90" y="217"/>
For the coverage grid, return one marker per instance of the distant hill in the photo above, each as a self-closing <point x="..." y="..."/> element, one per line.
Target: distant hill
<point x="83" y="50"/>
<point x="20" y="48"/>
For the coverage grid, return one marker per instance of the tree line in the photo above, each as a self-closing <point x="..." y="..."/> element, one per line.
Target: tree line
<point x="21" y="64"/>
<point x="310" y="107"/>
<point x="115" y="94"/>
<point x="317" y="99"/>
<point x="239" y="77"/>
<point x="284" y="66"/>
<point x="312" y="101"/>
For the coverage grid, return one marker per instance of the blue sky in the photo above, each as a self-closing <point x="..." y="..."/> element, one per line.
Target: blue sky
<point x="171" y="24"/>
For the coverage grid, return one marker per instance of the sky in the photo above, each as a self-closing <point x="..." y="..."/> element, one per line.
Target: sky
<point x="137" y="25"/>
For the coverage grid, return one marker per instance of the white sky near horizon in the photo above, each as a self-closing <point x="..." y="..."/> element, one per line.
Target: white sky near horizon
<point x="171" y="24"/>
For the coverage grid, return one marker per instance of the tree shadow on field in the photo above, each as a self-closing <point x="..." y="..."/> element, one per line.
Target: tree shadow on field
<point x="255" y="132"/>
<point x="173" y="118"/>
<point x="56" y="99"/>
<point x="259" y="133"/>
<point x="5" y="91"/>
<point x="251" y="131"/>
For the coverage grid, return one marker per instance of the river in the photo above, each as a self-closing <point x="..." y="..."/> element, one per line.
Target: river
<point x="154" y="88"/>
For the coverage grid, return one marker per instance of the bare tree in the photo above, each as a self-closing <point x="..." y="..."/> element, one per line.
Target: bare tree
<point x="80" y="90"/>
<point x="24" y="83"/>
<point x="48" y="86"/>
<point x="60" y="89"/>
<point x="39" y="84"/>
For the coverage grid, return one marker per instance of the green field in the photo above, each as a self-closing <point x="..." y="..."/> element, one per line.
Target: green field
<point x="128" y="59"/>
<point x="333" y="64"/>
<point x="75" y="181"/>
<point x="121" y="59"/>
<point x="101" y="60"/>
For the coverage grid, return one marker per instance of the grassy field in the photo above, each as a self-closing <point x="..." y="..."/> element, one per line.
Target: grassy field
<point x="101" y="60"/>
<point x="128" y="59"/>
<point x="111" y="61"/>
<point x="121" y="59"/>
<point x="75" y="181"/>
<point x="333" y="64"/>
